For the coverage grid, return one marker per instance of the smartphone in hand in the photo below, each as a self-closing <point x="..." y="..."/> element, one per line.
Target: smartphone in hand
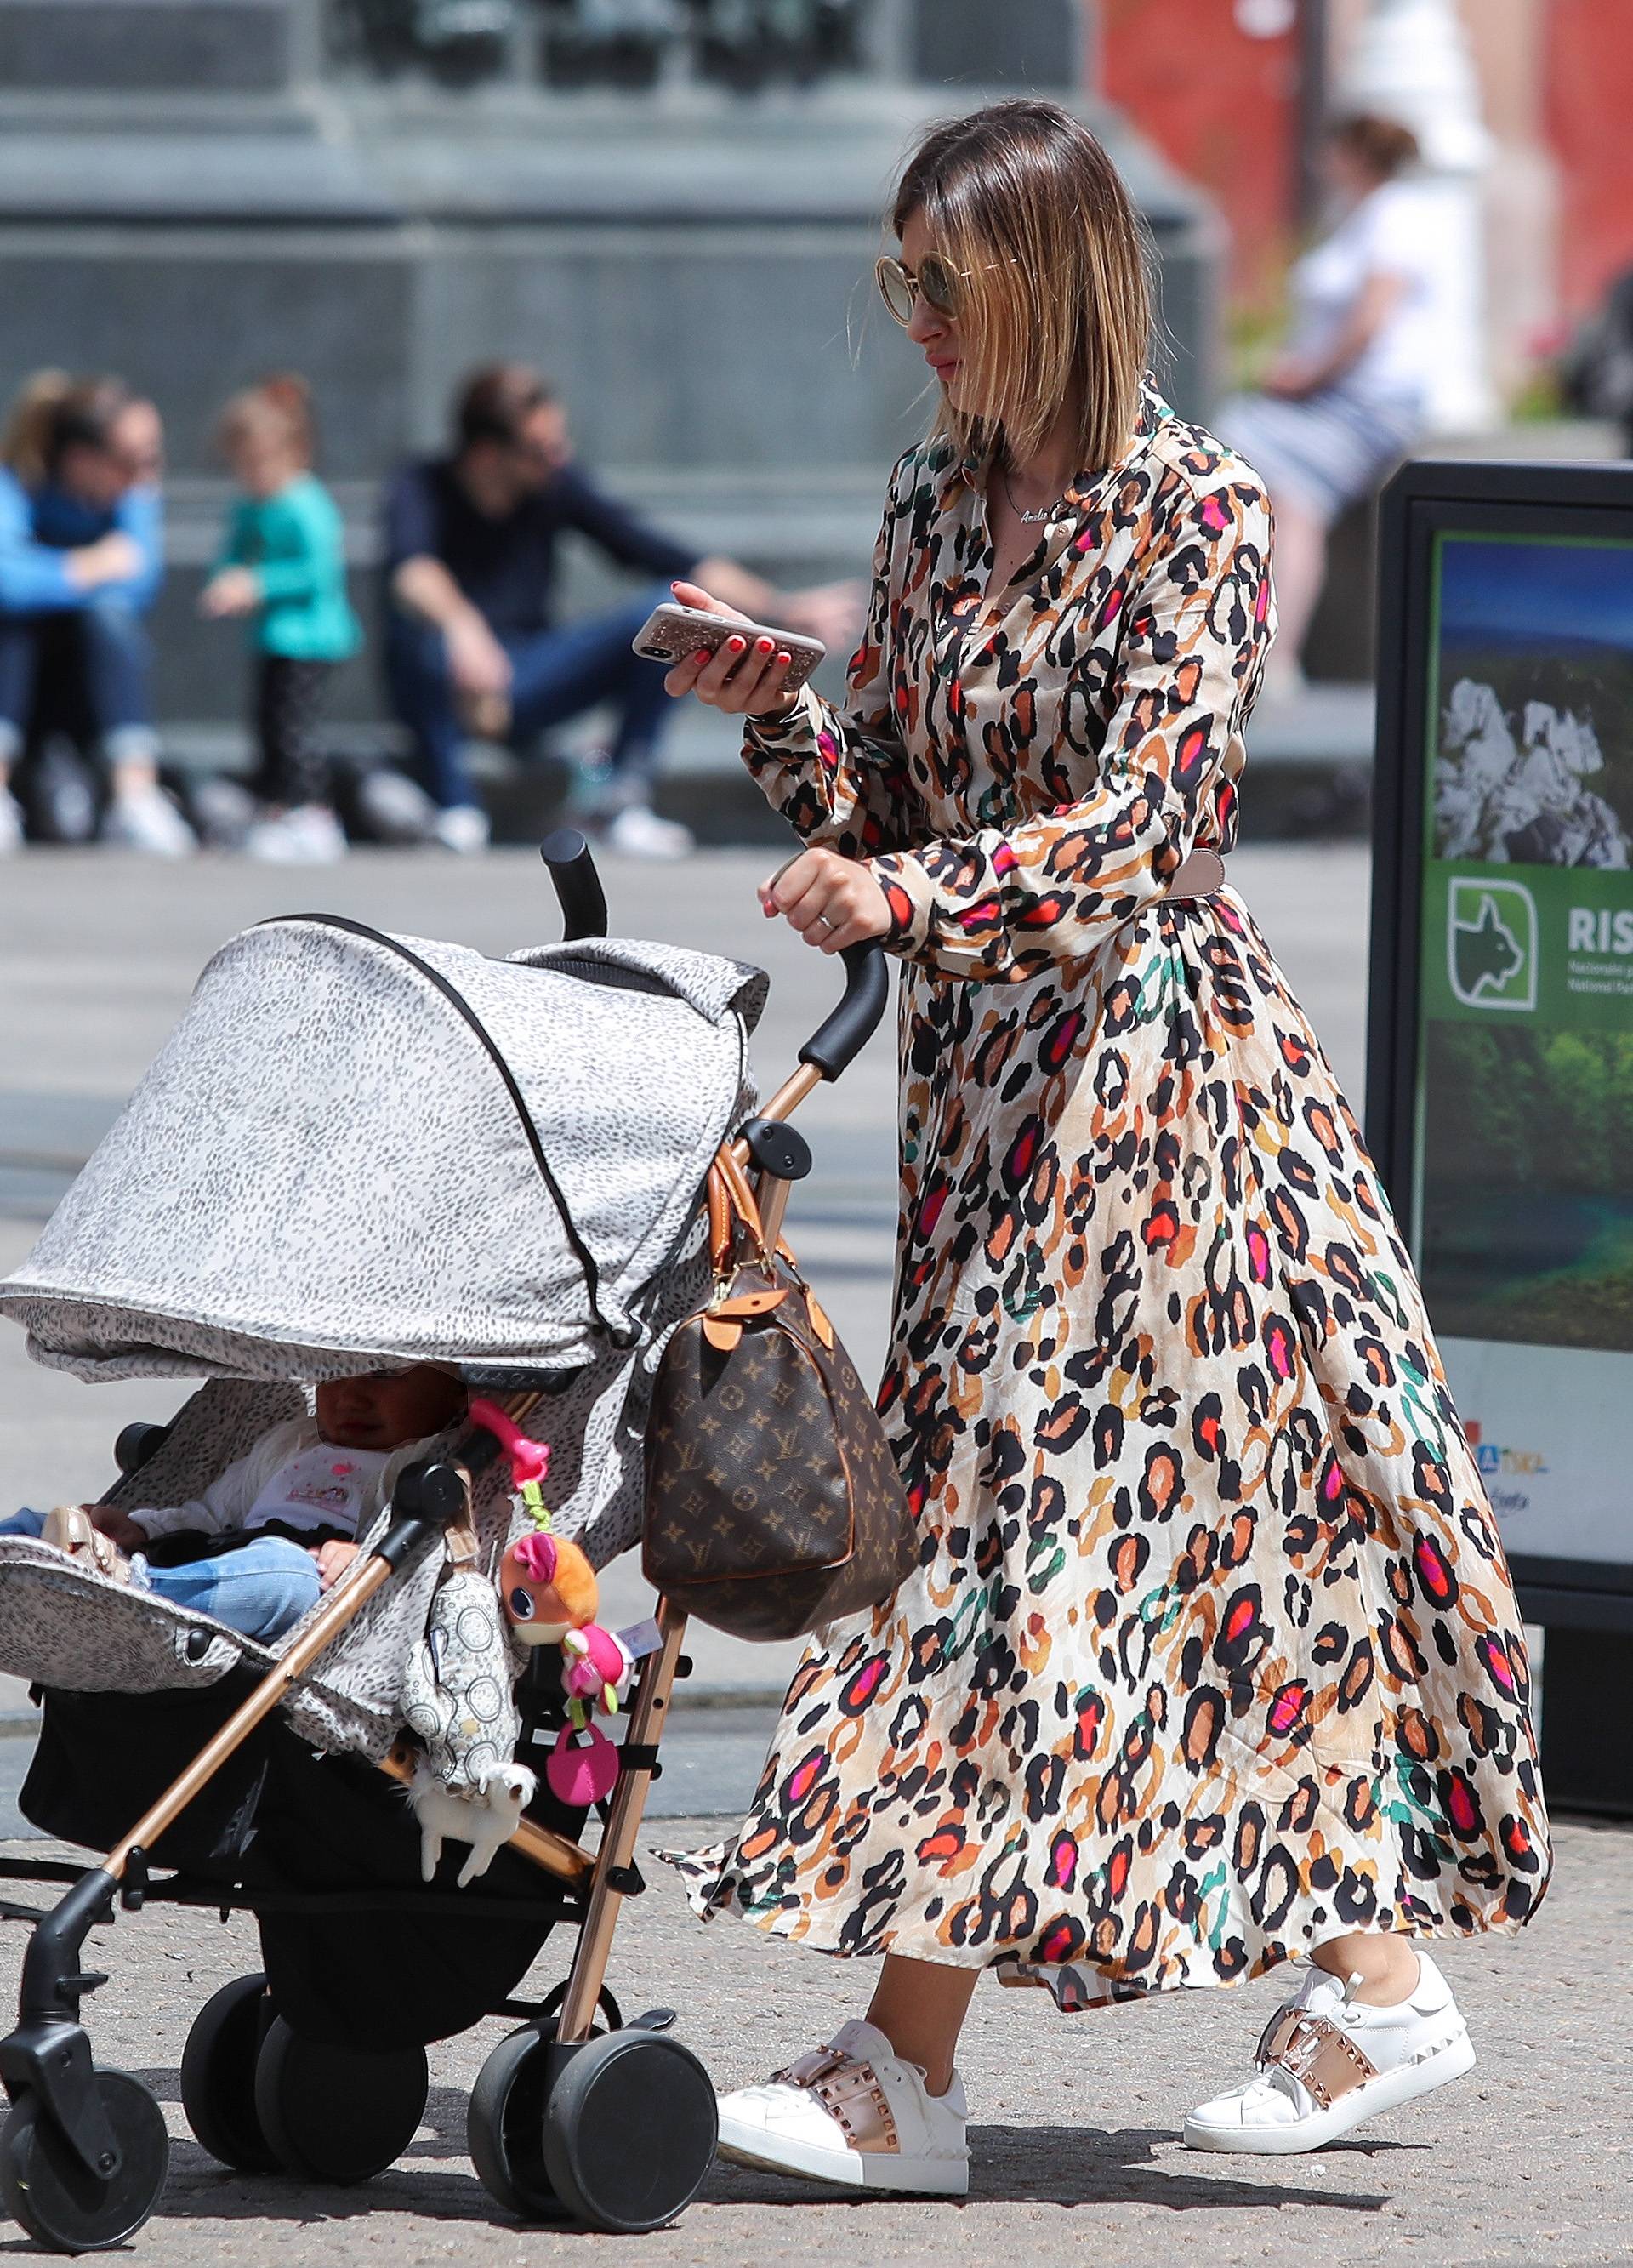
<point x="672" y="631"/>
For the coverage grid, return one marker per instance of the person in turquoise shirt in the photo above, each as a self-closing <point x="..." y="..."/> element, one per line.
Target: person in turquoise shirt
<point x="282" y="567"/>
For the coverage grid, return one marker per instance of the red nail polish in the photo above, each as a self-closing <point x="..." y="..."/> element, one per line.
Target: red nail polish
<point x="736" y="646"/>
<point x="765" y="646"/>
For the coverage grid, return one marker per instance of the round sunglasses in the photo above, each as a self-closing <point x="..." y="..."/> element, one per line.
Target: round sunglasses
<point x="938" y="281"/>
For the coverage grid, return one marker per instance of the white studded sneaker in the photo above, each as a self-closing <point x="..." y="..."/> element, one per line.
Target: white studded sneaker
<point x="1327" y="2060"/>
<point x="852" y="2113"/>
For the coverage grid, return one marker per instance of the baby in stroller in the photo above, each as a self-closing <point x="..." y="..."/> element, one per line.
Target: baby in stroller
<point x="279" y="1527"/>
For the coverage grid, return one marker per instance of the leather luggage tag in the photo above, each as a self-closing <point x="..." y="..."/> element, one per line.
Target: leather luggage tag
<point x="722" y="1320"/>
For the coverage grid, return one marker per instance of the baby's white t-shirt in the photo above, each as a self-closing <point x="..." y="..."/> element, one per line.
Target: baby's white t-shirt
<point x="321" y="1487"/>
<point x="293" y="1475"/>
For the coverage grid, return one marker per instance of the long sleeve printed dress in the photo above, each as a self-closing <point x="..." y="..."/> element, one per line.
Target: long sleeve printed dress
<point x="1212" y="1652"/>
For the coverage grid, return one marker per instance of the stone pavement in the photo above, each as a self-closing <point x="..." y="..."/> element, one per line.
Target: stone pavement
<point x="1074" y="2119"/>
<point x="1074" y="2127"/>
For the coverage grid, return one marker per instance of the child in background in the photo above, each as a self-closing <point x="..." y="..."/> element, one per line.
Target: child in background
<point x="283" y="566"/>
<point x="279" y="1527"/>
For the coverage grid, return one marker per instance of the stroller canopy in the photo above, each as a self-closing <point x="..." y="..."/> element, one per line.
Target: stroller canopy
<point x="357" y="1150"/>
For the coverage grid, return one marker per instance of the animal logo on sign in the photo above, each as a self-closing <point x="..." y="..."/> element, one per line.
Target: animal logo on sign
<point x="1491" y="930"/>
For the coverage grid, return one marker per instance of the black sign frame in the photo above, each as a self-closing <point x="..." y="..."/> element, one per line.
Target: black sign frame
<point x="1428" y="497"/>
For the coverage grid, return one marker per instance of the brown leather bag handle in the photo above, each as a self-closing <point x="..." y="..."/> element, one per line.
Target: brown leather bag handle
<point x="730" y="1193"/>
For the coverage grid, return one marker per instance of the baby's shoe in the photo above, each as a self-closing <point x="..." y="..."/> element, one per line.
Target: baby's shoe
<point x="70" y="1528"/>
<point x="1327" y="2060"/>
<point x="853" y="2113"/>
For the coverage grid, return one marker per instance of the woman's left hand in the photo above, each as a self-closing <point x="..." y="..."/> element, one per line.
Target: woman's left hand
<point x="832" y="902"/>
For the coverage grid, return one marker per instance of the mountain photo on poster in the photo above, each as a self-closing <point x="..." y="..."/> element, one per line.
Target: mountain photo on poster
<point x="1533" y="763"/>
<point x="1526" y="1190"/>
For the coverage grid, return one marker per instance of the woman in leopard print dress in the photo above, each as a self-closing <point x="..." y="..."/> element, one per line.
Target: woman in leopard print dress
<point x="1211" y="1656"/>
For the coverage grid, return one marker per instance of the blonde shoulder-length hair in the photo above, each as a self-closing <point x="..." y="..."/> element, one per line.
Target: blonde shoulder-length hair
<point x="1054" y="269"/>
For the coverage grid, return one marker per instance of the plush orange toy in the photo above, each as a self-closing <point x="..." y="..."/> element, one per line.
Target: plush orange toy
<point x="548" y="1588"/>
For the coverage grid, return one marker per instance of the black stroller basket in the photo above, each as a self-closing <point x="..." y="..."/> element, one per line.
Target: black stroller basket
<point x="316" y="2064"/>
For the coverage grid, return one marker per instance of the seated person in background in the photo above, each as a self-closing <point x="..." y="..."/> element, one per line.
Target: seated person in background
<point x="280" y="1527"/>
<point x="1351" y="395"/>
<point x="81" y="562"/>
<point x="471" y="642"/>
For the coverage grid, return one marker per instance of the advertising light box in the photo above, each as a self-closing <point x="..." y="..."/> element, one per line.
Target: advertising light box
<point x="1500" y="1073"/>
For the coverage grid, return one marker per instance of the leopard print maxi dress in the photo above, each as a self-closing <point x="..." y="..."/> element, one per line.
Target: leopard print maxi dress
<point x="1212" y="1652"/>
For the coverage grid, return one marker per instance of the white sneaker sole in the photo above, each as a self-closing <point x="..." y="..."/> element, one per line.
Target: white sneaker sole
<point x="851" y="2169"/>
<point x="1437" y="2068"/>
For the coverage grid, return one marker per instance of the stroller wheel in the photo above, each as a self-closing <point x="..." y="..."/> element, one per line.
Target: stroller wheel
<point x="504" y="2121"/>
<point x="629" y="2132"/>
<point x="504" y="2126"/>
<point x="47" y="2188"/>
<point x="218" y="2075"/>
<point x="337" y="2114"/>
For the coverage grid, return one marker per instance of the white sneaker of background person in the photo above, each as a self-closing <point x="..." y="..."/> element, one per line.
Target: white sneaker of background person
<point x="10" y="823"/>
<point x="636" y="831"/>
<point x="308" y="835"/>
<point x="142" y="817"/>
<point x="462" y="828"/>
<point x="1327" y="2060"/>
<point x="852" y="2113"/>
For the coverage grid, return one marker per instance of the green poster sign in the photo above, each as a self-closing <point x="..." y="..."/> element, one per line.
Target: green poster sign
<point x="1500" y="1045"/>
<point x="1554" y="943"/>
<point x="1524" y="1184"/>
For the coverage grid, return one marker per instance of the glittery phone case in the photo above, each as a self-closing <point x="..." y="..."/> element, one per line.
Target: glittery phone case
<point x="671" y="632"/>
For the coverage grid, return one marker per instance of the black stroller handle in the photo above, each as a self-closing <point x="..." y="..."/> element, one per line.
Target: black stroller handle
<point x="830" y="1049"/>
<point x="834" y="1045"/>
<point x="577" y="886"/>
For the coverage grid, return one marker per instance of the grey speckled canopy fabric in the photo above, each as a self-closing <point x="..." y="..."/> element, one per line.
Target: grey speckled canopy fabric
<point x="356" y="1149"/>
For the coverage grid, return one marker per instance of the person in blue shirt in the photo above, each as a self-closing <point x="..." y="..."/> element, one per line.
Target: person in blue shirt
<point x="81" y="562"/>
<point x="472" y="643"/>
<point x="283" y="567"/>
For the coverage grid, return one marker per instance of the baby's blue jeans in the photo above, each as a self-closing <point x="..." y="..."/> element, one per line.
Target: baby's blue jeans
<point x="261" y="1588"/>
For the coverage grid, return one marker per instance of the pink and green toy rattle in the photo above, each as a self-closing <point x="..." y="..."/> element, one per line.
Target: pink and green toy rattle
<point x="550" y="1597"/>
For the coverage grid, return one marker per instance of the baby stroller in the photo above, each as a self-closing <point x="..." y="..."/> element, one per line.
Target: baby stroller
<point x="357" y="1151"/>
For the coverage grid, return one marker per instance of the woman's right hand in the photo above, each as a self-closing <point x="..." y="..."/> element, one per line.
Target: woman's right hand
<point x="741" y="677"/>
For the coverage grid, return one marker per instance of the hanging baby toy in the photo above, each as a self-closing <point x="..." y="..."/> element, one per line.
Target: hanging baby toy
<point x="550" y="1597"/>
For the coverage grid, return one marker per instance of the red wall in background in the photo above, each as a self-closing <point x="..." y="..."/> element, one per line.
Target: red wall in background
<point x="1223" y="109"/>
<point x="1590" y="126"/>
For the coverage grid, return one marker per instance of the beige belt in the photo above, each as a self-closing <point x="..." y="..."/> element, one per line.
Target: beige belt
<point x="1198" y="876"/>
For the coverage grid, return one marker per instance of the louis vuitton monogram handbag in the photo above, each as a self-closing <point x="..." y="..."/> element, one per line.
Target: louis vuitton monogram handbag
<point x="773" y="1502"/>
